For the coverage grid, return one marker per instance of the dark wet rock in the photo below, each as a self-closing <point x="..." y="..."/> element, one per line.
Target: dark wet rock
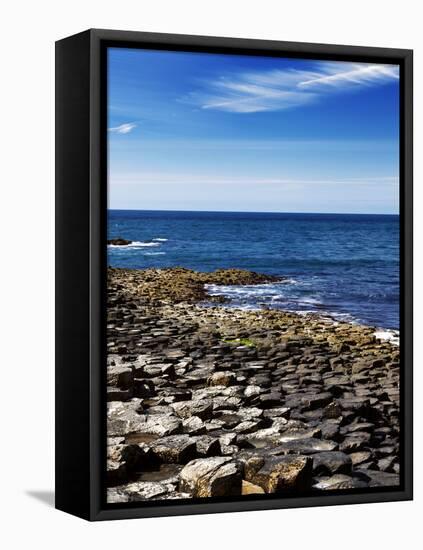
<point x="385" y="450"/>
<point x="176" y="394"/>
<point x="382" y="479"/>
<point x="116" y="468"/>
<point x="332" y="462"/>
<point x="143" y="388"/>
<point x="360" y="457"/>
<point x="355" y="442"/>
<point x="357" y="427"/>
<point x="118" y="394"/>
<point x="270" y="400"/>
<point x="332" y="410"/>
<point x="330" y="429"/>
<point x="228" y="419"/>
<point x="118" y="242"/>
<point x="211" y="477"/>
<point x="387" y="464"/>
<point x="175" y="448"/>
<point x="316" y="401"/>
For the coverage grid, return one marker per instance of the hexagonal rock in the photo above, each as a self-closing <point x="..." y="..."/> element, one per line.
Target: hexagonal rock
<point x="247" y="427"/>
<point x="382" y="479"/>
<point x="122" y="460"/>
<point x="178" y="449"/>
<point x="360" y="457"/>
<point x="211" y="477"/>
<point x="251" y="489"/>
<point x="223" y="378"/>
<point x="207" y="446"/>
<point x="141" y="490"/>
<point x="360" y="366"/>
<point x="252" y="391"/>
<point x="115" y="496"/>
<point x="120" y="376"/>
<point x="278" y="474"/>
<point x="316" y="401"/>
<point x="161" y="425"/>
<point x="118" y="394"/>
<point x="331" y="462"/>
<point x="202" y="408"/>
<point x="193" y="426"/>
<point x="332" y="410"/>
<point x="123" y="418"/>
<point x="116" y="471"/>
<point x="339" y="481"/>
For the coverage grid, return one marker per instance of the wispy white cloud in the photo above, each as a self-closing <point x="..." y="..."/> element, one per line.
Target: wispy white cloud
<point x="286" y="89"/>
<point x="165" y="178"/>
<point x="354" y="74"/>
<point x="123" y="128"/>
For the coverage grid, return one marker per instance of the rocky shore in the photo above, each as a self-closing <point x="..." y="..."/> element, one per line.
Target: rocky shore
<point x="215" y="401"/>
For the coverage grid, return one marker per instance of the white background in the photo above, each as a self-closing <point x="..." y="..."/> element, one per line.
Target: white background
<point x="28" y="32"/>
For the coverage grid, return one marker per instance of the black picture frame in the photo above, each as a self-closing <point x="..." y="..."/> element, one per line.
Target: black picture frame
<point x="81" y="182"/>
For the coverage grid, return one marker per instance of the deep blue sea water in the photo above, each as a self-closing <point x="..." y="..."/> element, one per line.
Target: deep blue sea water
<point x="345" y="265"/>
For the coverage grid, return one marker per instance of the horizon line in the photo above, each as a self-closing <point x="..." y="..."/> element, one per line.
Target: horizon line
<point x="252" y="212"/>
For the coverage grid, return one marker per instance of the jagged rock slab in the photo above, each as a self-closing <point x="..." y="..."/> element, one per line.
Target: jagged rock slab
<point x="178" y="449"/>
<point x="212" y="477"/>
<point x="279" y="474"/>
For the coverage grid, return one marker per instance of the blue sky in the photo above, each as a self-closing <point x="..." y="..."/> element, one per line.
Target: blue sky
<point x="196" y="131"/>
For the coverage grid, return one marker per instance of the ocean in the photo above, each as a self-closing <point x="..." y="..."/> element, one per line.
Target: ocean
<point x="342" y="265"/>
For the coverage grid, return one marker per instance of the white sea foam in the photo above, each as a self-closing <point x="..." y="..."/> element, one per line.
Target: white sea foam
<point x="312" y="301"/>
<point x="388" y="335"/>
<point x="160" y="239"/>
<point x="154" y="253"/>
<point x="135" y="244"/>
<point x="275" y="296"/>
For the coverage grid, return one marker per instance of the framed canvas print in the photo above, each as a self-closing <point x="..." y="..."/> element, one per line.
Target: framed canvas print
<point x="234" y="274"/>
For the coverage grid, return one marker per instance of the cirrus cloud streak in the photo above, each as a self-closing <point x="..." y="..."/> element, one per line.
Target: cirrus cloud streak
<point x="123" y="128"/>
<point x="276" y="90"/>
